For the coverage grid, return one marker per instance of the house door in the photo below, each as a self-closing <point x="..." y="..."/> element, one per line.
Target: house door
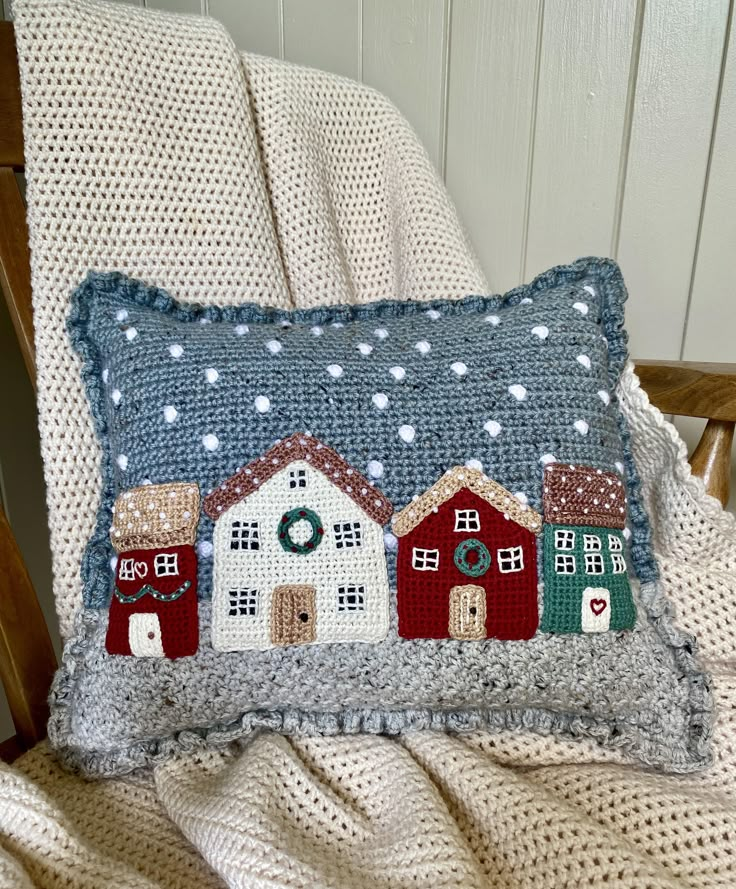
<point x="595" y="616"/>
<point x="293" y="614"/>
<point x="144" y="635"/>
<point x="468" y="612"/>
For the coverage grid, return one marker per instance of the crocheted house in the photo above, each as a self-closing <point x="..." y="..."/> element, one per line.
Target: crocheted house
<point x="153" y="611"/>
<point x="298" y="551"/>
<point x="586" y="582"/>
<point x="467" y="561"/>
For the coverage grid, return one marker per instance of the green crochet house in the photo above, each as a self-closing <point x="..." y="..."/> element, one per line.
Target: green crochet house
<point x="586" y="579"/>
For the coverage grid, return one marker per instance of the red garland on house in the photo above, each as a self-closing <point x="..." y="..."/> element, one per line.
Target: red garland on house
<point x="467" y="561"/>
<point x="153" y="611"/>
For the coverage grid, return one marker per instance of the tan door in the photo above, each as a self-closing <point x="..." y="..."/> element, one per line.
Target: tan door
<point x="293" y="614"/>
<point x="468" y="612"/>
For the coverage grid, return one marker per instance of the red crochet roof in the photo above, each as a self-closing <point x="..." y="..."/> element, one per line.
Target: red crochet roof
<point x="300" y="446"/>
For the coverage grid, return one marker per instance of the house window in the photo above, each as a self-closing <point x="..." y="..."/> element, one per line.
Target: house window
<point x="511" y="559"/>
<point x="166" y="564"/>
<point x="244" y="535"/>
<point x="351" y="598"/>
<point x="619" y="563"/>
<point x="593" y="563"/>
<point x="591" y="542"/>
<point x="127" y="569"/>
<point x="347" y="534"/>
<point x="467" y="520"/>
<point x="564" y="564"/>
<point x="297" y="478"/>
<point x="425" y="559"/>
<point x="243" y="602"/>
<point x="565" y="540"/>
<point x="615" y="544"/>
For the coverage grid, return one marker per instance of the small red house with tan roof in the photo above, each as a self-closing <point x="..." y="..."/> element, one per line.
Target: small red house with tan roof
<point x="467" y="561"/>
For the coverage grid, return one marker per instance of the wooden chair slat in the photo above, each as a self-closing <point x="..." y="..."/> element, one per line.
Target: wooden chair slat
<point x="11" y="119"/>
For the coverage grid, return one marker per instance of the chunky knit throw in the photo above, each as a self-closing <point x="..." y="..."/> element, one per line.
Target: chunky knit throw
<point x="425" y="810"/>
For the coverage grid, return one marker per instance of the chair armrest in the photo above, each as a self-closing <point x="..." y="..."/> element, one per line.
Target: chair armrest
<point x="691" y="389"/>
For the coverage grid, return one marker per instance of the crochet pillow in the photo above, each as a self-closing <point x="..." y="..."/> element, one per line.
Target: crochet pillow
<point x="368" y="518"/>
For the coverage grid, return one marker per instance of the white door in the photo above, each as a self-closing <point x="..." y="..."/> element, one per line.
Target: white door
<point x="596" y="613"/>
<point x="144" y="635"/>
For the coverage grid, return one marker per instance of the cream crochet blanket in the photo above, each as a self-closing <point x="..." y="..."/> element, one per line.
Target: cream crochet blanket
<point x="151" y="149"/>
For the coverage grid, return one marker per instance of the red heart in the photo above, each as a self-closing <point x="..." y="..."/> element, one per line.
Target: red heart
<point x="598" y="606"/>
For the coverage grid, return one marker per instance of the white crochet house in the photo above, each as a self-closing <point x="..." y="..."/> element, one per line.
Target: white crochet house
<point x="298" y="551"/>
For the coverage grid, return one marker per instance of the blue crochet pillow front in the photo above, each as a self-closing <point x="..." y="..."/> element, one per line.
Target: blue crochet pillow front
<point x="372" y="518"/>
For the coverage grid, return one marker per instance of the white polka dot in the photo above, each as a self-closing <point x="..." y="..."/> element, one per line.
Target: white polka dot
<point x="459" y="368"/>
<point x="474" y="464"/>
<point x="407" y="433"/>
<point x="114" y="562"/>
<point x="205" y="548"/>
<point x="242" y="329"/>
<point x="210" y="441"/>
<point x="337" y="324"/>
<point x="433" y="314"/>
<point x="122" y="461"/>
<point x="380" y="400"/>
<point x="365" y="348"/>
<point x="204" y="320"/>
<point x="541" y="331"/>
<point x="584" y="360"/>
<point x="176" y="350"/>
<point x="493" y="319"/>
<point x="518" y="391"/>
<point x="627" y="533"/>
<point x="274" y="347"/>
<point x="316" y="331"/>
<point x="212" y="375"/>
<point x="375" y="468"/>
<point x="105" y="375"/>
<point x="604" y="396"/>
<point x="521" y="497"/>
<point x="581" y="307"/>
<point x="547" y="458"/>
<point x="116" y="395"/>
<point x="334" y="370"/>
<point x="492" y="427"/>
<point x="527" y="300"/>
<point x="122" y="314"/>
<point x="581" y="426"/>
<point x="422" y="347"/>
<point x="262" y="404"/>
<point x="170" y="413"/>
<point x="398" y="373"/>
<point x="131" y="333"/>
<point x="620" y="466"/>
<point x="590" y="290"/>
<point x="390" y="541"/>
<point x="381" y="333"/>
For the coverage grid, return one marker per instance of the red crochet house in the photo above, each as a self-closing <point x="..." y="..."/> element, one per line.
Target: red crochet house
<point x="467" y="561"/>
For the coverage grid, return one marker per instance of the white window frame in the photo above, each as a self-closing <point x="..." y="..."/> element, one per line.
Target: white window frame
<point x="592" y="543"/>
<point x="163" y="563"/>
<point x="467" y="520"/>
<point x="618" y="563"/>
<point x="425" y="559"/>
<point x="564" y="540"/>
<point x="243" y="597"/>
<point x="348" y="535"/>
<point x="297" y="478"/>
<point x="594" y="559"/>
<point x="351" y="589"/>
<point x="513" y="557"/>
<point x="565" y="561"/>
<point x="126" y="571"/>
<point x="615" y="544"/>
<point x="245" y="534"/>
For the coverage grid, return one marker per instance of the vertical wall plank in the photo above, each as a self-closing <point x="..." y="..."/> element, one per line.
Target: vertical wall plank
<point x="188" y="6"/>
<point x="677" y="84"/>
<point x="489" y="119"/>
<point x="324" y="34"/>
<point x="403" y="57"/>
<point x="254" y="26"/>
<point x="581" y="114"/>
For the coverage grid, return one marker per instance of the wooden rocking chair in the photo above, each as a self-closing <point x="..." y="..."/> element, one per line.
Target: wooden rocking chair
<point x="27" y="660"/>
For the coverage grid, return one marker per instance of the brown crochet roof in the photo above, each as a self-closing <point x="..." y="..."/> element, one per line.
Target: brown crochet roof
<point x="300" y="446"/>
<point x="582" y="495"/>
<point x="453" y="481"/>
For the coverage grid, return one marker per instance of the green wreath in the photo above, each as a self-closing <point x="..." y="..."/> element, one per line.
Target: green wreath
<point x="289" y="519"/>
<point x="482" y="563"/>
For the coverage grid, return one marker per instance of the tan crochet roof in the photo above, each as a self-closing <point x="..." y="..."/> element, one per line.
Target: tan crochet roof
<point x="300" y="446"/>
<point x="456" y="479"/>
<point x="154" y="516"/>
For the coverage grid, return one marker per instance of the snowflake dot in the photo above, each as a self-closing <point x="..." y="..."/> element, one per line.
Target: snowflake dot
<point x="210" y="441"/>
<point x="262" y="404"/>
